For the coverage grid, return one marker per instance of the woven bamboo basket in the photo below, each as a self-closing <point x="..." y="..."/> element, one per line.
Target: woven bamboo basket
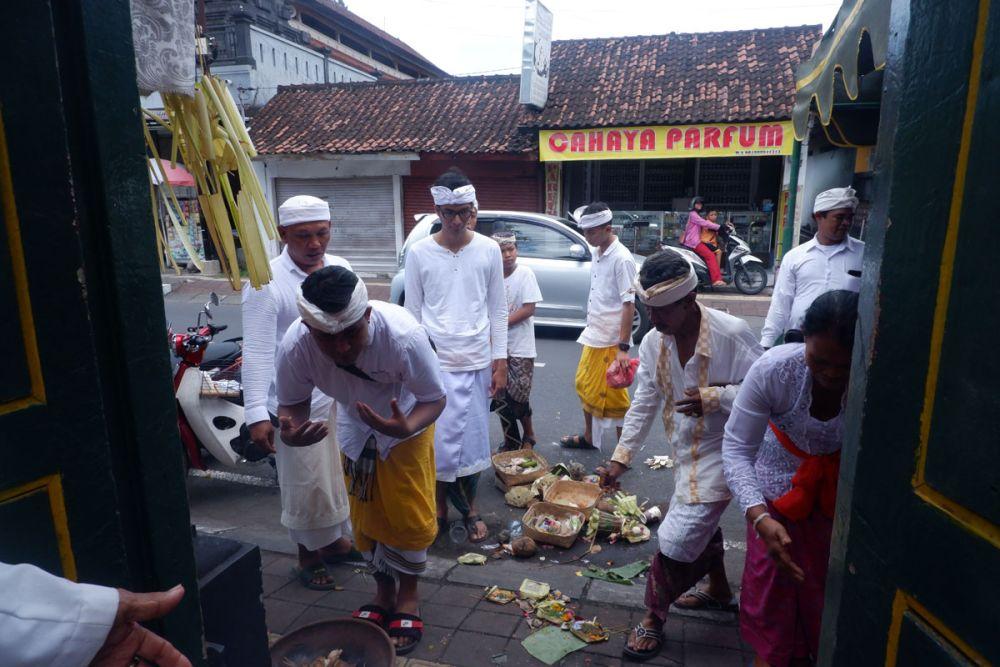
<point x="581" y="495"/>
<point x="510" y="480"/>
<point x="558" y="512"/>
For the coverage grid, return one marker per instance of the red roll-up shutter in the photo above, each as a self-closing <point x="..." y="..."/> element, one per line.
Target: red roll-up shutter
<point x="518" y="193"/>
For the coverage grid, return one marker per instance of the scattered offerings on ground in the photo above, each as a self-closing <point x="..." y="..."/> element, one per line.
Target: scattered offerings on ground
<point x="518" y="465"/>
<point x="472" y="559"/>
<point x="520" y="496"/>
<point x="659" y="462"/>
<point x="523" y="547"/>
<point x="539" y="486"/>
<point x="564" y="527"/>
<point x="554" y="611"/>
<point x="500" y="595"/>
<point x="534" y="590"/>
<point x="589" y="631"/>
<point x="623" y="574"/>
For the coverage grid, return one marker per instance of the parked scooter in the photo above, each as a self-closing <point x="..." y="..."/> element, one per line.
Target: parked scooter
<point x="739" y="266"/>
<point x="210" y="395"/>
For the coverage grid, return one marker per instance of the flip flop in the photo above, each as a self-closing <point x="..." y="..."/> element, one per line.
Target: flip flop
<point x="371" y="613"/>
<point x="307" y="575"/>
<point x="575" y="442"/>
<point x="407" y="626"/>
<point x="705" y="601"/>
<point x="642" y="632"/>
<point x="470" y="525"/>
<point x="352" y="556"/>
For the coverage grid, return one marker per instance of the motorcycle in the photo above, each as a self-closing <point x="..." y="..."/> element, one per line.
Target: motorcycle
<point x="739" y="266"/>
<point x="209" y="393"/>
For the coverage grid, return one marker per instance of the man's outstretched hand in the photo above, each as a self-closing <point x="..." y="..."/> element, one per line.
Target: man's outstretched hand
<point x="396" y="426"/>
<point x="128" y="641"/>
<point x="305" y="434"/>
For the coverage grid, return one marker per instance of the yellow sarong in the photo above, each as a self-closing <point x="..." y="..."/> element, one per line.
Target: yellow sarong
<point x="401" y="512"/>
<point x="597" y="397"/>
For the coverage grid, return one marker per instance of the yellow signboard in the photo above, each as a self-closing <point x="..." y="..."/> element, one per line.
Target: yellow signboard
<point x="667" y="141"/>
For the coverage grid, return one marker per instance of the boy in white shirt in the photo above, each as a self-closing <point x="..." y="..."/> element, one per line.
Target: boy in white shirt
<point x="522" y="295"/>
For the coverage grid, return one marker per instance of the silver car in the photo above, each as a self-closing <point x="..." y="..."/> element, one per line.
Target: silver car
<point x="555" y="250"/>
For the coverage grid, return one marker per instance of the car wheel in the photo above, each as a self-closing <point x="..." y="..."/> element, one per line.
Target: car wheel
<point x="640" y="322"/>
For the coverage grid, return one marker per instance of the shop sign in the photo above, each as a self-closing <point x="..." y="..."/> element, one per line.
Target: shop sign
<point x="536" y="54"/>
<point x="667" y="141"/>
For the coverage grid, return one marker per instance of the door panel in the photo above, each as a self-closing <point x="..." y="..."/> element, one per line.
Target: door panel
<point x="915" y="562"/>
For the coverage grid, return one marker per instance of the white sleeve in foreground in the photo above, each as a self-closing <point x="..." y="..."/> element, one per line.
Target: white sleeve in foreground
<point x="260" y="322"/>
<point x="781" y="304"/>
<point x="496" y="303"/>
<point x="48" y="620"/>
<point x="744" y="433"/>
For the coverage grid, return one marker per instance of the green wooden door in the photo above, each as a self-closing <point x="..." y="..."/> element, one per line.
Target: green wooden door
<point x="91" y="478"/>
<point x="915" y="564"/>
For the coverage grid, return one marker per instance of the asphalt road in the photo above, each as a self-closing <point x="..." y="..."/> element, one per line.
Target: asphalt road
<point x="251" y="512"/>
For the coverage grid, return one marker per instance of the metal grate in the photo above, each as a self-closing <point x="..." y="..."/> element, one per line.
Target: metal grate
<point x="663" y="181"/>
<point x="725" y="181"/>
<point x="619" y="183"/>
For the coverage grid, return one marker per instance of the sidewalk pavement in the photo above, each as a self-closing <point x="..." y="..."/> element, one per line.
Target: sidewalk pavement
<point x="464" y="630"/>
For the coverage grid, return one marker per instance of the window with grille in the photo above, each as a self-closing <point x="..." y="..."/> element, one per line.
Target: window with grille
<point x="618" y="183"/>
<point x="725" y="181"/>
<point x="663" y="181"/>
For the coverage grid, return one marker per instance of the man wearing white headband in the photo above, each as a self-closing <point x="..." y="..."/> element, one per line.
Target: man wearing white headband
<point x="690" y="366"/>
<point x="608" y="335"/>
<point x="830" y="261"/>
<point x="377" y="363"/>
<point x="454" y="286"/>
<point x="313" y="498"/>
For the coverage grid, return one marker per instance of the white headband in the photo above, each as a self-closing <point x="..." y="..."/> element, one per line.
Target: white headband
<point x="668" y="292"/>
<point x="303" y="208"/>
<point x="333" y="323"/>
<point x="591" y="219"/>
<point x="447" y="197"/>
<point x="835" y="198"/>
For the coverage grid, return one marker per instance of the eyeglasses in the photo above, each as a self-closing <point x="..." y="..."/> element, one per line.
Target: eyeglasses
<point x="464" y="214"/>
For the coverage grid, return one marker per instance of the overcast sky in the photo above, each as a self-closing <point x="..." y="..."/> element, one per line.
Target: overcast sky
<point x="484" y="36"/>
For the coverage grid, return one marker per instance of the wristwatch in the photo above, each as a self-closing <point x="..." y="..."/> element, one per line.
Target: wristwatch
<point x="624" y="347"/>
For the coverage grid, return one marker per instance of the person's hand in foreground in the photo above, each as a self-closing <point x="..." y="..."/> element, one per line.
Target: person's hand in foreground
<point x="128" y="643"/>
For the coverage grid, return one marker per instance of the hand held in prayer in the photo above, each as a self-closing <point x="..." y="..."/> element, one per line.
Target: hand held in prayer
<point x="305" y="434"/>
<point x="610" y="474"/>
<point x="498" y="384"/>
<point x="692" y="405"/>
<point x="397" y="426"/>
<point x="777" y="540"/>
<point x="622" y="358"/>
<point x="128" y="640"/>
<point x="262" y="435"/>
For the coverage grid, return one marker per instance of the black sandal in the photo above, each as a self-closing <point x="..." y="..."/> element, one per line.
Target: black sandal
<point x="406" y="626"/>
<point x="575" y="442"/>
<point x="371" y="613"/>
<point x="642" y="632"/>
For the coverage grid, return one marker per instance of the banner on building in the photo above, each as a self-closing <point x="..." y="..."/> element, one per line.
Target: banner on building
<point x="535" y="54"/>
<point x="667" y="141"/>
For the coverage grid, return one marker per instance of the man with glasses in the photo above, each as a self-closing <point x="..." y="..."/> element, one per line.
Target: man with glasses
<point x="830" y="261"/>
<point x="454" y="287"/>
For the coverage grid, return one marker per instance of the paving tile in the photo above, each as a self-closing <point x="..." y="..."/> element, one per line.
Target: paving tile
<point x="626" y="596"/>
<point x="294" y="591"/>
<point x="444" y="615"/>
<point x="518" y="657"/>
<point x="490" y="623"/>
<point x="472" y="649"/>
<point x="355" y="581"/>
<point x="424" y="663"/>
<point x="700" y="654"/>
<point x="582" y="658"/>
<point x="462" y="596"/>
<point x="281" y="565"/>
<point x="280" y="614"/>
<point x="344" y="600"/>
<point x="712" y="634"/>
<point x="315" y="615"/>
<point x="522" y="630"/>
<point x="510" y="574"/>
<point x="612" y="618"/>
<point x="431" y="646"/>
<point x="272" y="582"/>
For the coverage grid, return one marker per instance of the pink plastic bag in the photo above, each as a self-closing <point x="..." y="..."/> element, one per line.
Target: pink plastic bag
<point x="618" y="379"/>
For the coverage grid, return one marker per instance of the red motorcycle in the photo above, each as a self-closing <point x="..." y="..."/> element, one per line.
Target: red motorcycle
<point x="210" y="395"/>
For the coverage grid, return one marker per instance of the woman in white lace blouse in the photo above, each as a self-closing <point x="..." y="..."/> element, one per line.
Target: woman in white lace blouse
<point x="781" y="455"/>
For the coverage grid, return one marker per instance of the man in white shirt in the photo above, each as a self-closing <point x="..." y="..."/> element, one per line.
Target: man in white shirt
<point x="608" y="335"/>
<point x="377" y="363"/>
<point x="691" y="364"/>
<point x="522" y="292"/>
<point x="830" y="261"/>
<point x="48" y="620"/>
<point x="454" y="287"/>
<point x="314" y="504"/>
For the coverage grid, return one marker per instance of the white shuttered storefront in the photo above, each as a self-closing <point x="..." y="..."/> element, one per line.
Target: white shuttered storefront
<point x="363" y="214"/>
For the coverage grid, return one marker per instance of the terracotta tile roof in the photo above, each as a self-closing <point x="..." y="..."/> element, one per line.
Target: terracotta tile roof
<point x="735" y="76"/>
<point x="676" y="78"/>
<point x="452" y="115"/>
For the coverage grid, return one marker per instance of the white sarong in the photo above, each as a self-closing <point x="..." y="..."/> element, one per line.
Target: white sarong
<point x="314" y="505"/>
<point x="462" y="432"/>
<point x="688" y="527"/>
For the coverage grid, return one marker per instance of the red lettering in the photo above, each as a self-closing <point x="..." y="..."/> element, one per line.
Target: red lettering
<point x="595" y="144"/>
<point x="673" y="136"/>
<point x="630" y="139"/>
<point x="557" y="142"/>
<point x="727" y="136"/>
<point x="712" y="137"/>
<point x="692" y="138"/>
<point x="747" y="136"/>
<point x="614" y="141"/>
<point x="577" y="143"/>
<point x="647" y="140"/>
<point x="770" y="135"/>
